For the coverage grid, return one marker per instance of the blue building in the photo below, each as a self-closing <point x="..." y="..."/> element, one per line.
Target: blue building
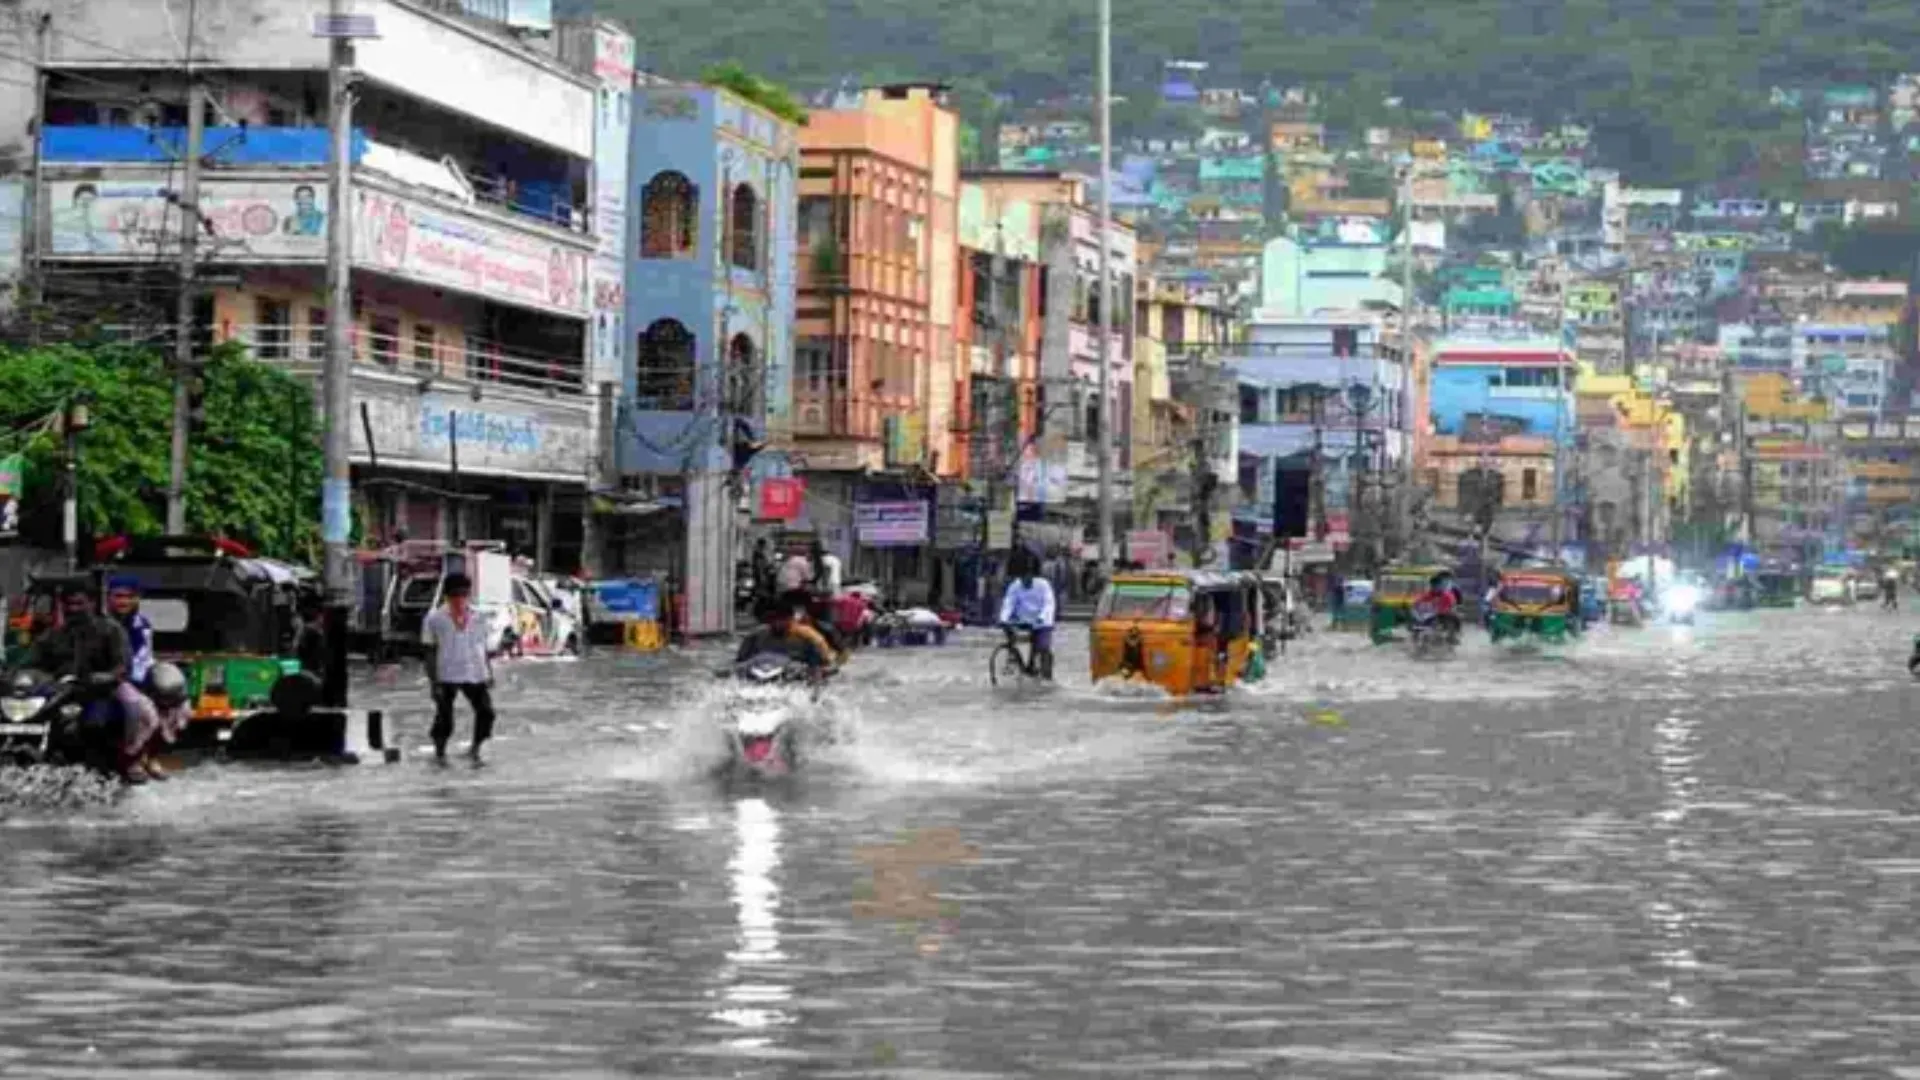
<point x="710" y="305"/>
<point x="1500" y="409"/>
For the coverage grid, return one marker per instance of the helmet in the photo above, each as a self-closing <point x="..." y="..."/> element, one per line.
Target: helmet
<point x="167" y="686"/>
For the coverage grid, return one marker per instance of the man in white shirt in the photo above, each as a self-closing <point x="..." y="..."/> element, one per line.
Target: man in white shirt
<point x="458" y="662"/>
<point x="1029" y="602"/>
<point x="826" y="571"/>
<point x="795" y="573"/>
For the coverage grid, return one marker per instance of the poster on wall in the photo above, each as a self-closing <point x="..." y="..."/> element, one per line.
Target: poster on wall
<point x="408" y="239"/>
<point x="241" y="219"/>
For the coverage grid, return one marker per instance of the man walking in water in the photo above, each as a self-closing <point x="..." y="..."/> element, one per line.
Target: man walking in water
<point x="458" y="663"/>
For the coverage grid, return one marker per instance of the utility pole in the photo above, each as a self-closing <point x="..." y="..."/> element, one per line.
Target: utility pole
<point x="1403" y="493"/>
<point x="336" y="500"/>
<point x="1559" y="408"/>
<point x="185" y="364"/>
<point x="36" y="199"/>
<point x="1107" y="299"/>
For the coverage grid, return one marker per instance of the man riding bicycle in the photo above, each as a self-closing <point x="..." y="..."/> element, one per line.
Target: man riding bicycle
<point x="1029" y="602"/>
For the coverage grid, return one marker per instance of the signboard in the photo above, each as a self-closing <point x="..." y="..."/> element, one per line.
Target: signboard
<point x="12" y="483"/>
<point x="999" y="530"/>
<point x="1150" y="548"/>
<point x="613" y="120"/>
<point x="408" y="239"/>
<point x="782" y="498"/>
<point x="534" y="443"/>
<point x="241" y="219"/>
<point x="891" y="524"/>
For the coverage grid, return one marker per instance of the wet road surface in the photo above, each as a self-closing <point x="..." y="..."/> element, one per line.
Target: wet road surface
<point x="1664" y="853"/>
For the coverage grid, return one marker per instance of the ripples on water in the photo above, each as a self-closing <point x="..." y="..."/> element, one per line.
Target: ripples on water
<point x="1680" y="852"/>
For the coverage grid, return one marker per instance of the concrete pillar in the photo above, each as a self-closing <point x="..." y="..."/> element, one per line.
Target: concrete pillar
<point x="543" y="530"/>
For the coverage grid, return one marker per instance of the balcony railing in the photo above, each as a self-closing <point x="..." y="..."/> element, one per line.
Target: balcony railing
<point x="469" y="360"/>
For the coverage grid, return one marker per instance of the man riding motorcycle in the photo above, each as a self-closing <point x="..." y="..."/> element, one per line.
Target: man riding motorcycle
<point x="785" y="635"/>
<point x="1442" y="598"/>
<point x="90" y="649"/>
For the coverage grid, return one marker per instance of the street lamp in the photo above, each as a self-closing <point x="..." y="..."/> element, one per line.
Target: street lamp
<point x="74" y="419"/>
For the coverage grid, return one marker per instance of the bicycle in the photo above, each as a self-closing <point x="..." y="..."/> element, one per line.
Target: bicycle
<point x="1009" y="665"/>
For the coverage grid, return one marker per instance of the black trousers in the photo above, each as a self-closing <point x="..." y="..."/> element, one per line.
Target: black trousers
<point x="478" y="696"/>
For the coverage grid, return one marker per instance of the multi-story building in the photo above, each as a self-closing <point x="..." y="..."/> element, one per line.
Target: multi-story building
<point x="471" y="234"/>
<point x="1339" y="268"/>
<point x="1182" y="444"/>
<point x="1500" y="418"/>
<point x="710" y="300"/>
<point x="874" y="346"/>
<point x="1066" y="472"/>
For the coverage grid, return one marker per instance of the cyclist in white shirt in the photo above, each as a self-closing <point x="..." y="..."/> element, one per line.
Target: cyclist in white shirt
<point x="1028" y="602"/>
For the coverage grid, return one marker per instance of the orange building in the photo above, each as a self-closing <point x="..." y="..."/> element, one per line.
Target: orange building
<point x="874" y="350"/>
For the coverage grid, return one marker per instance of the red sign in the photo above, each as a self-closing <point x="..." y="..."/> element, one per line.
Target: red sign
<point x="781" y="499"/>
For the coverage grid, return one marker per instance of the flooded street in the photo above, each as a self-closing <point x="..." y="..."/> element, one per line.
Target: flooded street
<point x="1667" y="852"/>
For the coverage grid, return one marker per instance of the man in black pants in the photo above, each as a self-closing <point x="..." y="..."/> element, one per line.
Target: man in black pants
<point x="459" y="663"/>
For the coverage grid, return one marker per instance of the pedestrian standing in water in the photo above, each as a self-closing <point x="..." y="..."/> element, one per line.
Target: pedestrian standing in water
<point x="459" y="664"/>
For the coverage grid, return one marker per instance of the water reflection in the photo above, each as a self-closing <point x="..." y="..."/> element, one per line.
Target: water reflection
<point x="1674" y="912"/>
<point x="754" y="995"/>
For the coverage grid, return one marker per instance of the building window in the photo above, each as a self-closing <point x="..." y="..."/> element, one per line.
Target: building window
<point x="743" y="377"/>
<point x="1346" y="341"/>
<point x="743" y="227"/>
<point x="425" y="359"/>
<point x="669" y="217"/>
<point x="1530" y="484"/>
<point x="385" y="344"/>
<point x="273" y="336"/>
<point x="813" y="364"/>
<point x="664" y="368"/>
<point x="316" y="333"/>
<point x="1249" y="405"/>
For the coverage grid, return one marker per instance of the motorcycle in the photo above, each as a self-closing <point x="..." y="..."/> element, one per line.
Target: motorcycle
<point x="1427" y="636"/>
<point x="761" y="731"/>
<point x="1680" y="603"/>
<point x="68" y="722"/>
<point x="1913" y="662"/>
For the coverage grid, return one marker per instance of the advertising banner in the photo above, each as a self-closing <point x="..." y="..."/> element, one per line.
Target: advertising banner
<point x="408" y="239"/>
<point x="241" y="219"/>
<point x="613" y="119"/>
<point x="891" y="524"/>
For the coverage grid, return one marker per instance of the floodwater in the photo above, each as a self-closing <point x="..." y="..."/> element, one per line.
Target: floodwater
<point x="1669" y="852"/>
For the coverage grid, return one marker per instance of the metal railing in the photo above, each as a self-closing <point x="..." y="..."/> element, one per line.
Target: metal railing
<point x="466" y="359"/>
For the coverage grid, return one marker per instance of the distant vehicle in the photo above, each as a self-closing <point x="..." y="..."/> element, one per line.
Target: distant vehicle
<point x="1865" y="587"/>
<point x="1833" y="590"/>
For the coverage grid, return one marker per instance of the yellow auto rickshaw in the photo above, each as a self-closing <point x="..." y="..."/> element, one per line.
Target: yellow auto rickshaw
<point x="1185" y="631"/>
<point x="1540" y="604"/>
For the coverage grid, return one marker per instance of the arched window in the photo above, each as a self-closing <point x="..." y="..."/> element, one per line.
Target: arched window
<point x="743" y="228"/>
<point x="663" y="368"/>
<point x="669" y="217"/>
<point x="743" y="377"/>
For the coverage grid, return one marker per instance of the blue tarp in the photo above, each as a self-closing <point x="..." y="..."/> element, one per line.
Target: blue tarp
<point x="224" y="145"/>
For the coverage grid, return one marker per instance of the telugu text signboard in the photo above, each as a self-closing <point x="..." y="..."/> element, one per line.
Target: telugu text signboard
<point x="281" y="221"/>
<point x="408" y="239"/>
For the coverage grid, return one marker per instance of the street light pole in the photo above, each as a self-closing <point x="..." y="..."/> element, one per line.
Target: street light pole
<point x="1107" y="299"/>
<point x="337" y="492"/>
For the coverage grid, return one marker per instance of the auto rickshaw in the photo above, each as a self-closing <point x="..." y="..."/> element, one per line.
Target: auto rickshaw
<point x="1185" y="631"/>
<point x="1541" y="604"/>
<point x="1394" y="592"/>
<point x="1625" y="606"/>
<point x="227" y="619"/>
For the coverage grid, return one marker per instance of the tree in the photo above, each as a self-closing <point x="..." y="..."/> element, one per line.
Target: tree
<point x="253" y="474"/>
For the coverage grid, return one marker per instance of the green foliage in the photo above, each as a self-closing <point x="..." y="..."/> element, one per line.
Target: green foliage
<point x="1676" y="93"/>
<point x="253" y="474"/>
<point x="767" y="95"/>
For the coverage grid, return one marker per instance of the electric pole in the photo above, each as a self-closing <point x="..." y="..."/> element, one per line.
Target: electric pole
<point x="336" y="495"/>
<point x="185" y="364"/>
<point x="1107" y="298"/>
